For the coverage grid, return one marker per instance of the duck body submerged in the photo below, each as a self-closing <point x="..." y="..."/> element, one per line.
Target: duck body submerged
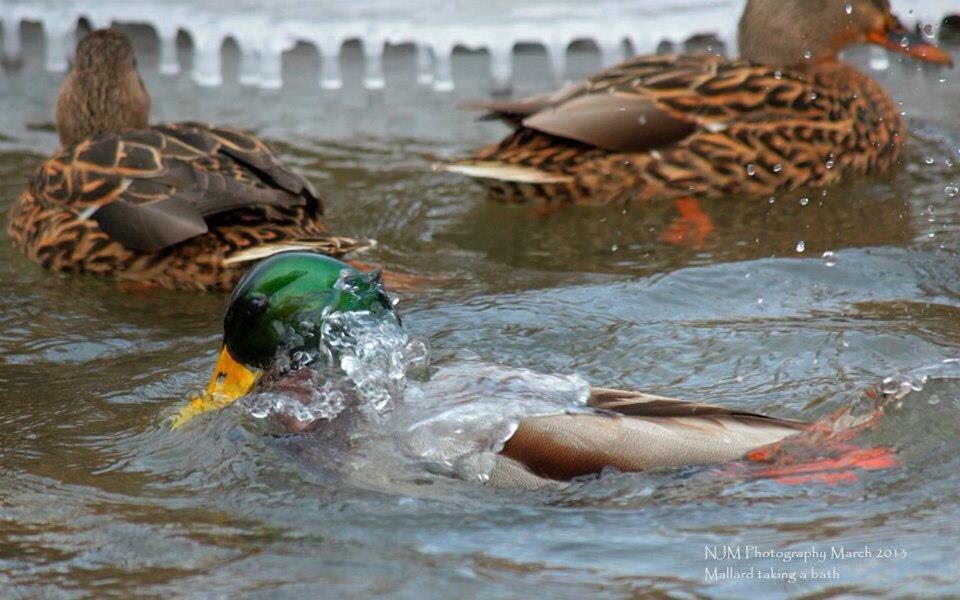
<point x="282" y="303"/>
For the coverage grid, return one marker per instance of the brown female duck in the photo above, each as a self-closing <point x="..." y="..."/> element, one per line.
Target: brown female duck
<point x="787" y="114"/>
<point x="181" y="205"/>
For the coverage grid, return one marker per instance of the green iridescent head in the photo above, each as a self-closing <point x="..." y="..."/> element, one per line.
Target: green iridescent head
<point x="281" y="303"/>
<point x="277" y="311"/>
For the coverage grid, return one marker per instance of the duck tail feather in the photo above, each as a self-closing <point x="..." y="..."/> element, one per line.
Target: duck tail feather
<point x="503" y="172"/>
<point x="331" y="246"/>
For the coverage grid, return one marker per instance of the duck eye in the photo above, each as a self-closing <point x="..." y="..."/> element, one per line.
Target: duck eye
<point x="256" y="304"/>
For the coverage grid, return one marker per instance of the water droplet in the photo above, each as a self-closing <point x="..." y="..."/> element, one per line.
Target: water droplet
<point x="801" y="246"/>
<point x="928" y="30"/>
<point x="928" y="160"/>
<point x="905" y="42"/>
<point x="807" y="54"/>
<point x="777" y="168"/>
<point x="848" y="8"/>
<point x="804" y="201"/>
<point x="614" y="248"/>
<point x="829" y="258"/>
<point x="889" y="386"/>
<point x="879" y="61"/>
<point x="751" y="169"/>
<point x="829" y="164"/>
<point x="951" y="191"/>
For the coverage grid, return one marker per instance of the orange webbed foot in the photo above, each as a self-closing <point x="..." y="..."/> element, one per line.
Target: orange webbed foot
<point x="823" y="453"/>
<point x="840" y="468"/>
<point x="541" y="211"/>
<point x="130" y="286"/>
<point x="690" y="228"/>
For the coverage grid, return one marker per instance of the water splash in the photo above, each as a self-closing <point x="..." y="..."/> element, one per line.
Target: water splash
<point x="362" y="361"/>
<point x="352" y="358"/>
<point x="452" y="423"/>
<point x="458" y="420"/>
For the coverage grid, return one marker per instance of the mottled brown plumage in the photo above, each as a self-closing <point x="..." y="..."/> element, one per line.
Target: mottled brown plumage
<point x="182" y="205"/>
<point x="103" y="91"/>
<point x="788" y="114"/>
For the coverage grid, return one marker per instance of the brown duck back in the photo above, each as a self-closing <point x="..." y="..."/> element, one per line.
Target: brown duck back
<point x="168" y="206"/>
<point x="753" y="131"/>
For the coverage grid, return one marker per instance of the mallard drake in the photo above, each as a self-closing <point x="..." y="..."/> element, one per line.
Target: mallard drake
<point x="276" y="312"/>
<point x="786" y="114"/>
<point x="181" y="205"/>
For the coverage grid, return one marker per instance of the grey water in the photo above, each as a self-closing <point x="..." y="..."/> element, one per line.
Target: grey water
<point x="792" y="306"/>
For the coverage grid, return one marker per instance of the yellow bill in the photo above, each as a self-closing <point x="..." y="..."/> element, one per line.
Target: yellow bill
<point x="230" y="380"/>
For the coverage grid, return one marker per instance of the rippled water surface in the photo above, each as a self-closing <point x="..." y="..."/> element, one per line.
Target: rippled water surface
<point x="98" y="497"/>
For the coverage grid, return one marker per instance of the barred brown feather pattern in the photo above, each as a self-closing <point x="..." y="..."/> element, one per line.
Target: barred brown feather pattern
<point x="166" y="207"/>
<point x="756" y="131"/>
